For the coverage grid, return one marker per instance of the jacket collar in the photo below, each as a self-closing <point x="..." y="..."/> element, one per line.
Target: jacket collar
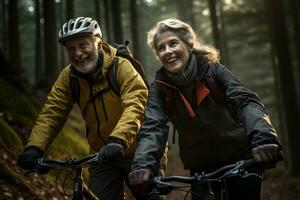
<point x="202" y="65"/>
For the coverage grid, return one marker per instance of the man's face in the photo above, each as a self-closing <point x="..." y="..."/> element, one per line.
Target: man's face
<point x="83" y="53"/>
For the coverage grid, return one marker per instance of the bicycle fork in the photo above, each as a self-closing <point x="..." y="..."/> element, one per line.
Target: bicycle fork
<point x="78" y="188"/>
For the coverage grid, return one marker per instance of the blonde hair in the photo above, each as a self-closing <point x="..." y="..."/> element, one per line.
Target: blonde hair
<point x="185" y="32"/>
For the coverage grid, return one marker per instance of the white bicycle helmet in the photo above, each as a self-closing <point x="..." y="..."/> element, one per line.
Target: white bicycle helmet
<point x="77" y="27"/>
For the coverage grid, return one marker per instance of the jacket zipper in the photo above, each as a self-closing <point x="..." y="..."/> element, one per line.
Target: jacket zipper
<point x="96" y="114"/>
<point x="103" y="105"/>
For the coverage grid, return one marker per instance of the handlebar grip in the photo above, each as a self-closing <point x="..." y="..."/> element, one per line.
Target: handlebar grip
<point x="162" y="187"/>
<point x="42" y="167"/>
<point x="249" y="163"/>
<point x="253" y="163"/>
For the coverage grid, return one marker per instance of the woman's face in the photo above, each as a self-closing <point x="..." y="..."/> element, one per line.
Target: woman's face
<point x="173" y="53"/>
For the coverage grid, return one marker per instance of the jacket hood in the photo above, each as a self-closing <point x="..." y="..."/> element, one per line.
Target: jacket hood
<point x="108" y="53"/>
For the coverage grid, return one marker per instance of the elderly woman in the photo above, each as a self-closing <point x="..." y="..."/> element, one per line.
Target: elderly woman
<point x="218" y="120"/>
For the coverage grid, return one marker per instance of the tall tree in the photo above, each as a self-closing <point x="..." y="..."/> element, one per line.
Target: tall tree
<point x="50" y="32"/>
<point x="98" y="11"/>
<point x="225" y="50"/>
<point x="70" y="9"/>
<point x="4" y="25"/>
<point x="117" y="21"/>
<point x="38" y="45"/>
<point x="135" y="28"/>
<point x="13" y="35"/>
<point x="185" y="11"/>
<point x="284" y="71"/>
<point x="107" y="21"/>
<point x="215" y="24"/>
<point x="295" y="10"/>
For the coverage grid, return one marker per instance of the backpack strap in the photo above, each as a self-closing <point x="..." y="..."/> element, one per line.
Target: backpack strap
<point x="112" y="76"/>
<point x="75" y="87"/>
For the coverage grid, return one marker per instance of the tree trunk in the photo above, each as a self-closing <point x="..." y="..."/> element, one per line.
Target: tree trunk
<point x="13" y="35"/>
<point x="135" y="29"/>
<point x="185" y="11"/>
<point x="225" y="50"/>
<point x="295" y="10"/>
<point x="4" y="27"/>
<point x="39" y="67"/>
<point x="214" y="22"/>
<point x="51" y="62"/>
<point x="117" y="21"/>
<point x="66" y="12"/>
<point x="98" y="12"/>
<point x="107" y="21"/>
<point x="69" y="9"/>
<point x="284" y="71"/>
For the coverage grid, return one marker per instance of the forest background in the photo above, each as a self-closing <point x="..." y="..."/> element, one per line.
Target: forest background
<point x="259" y="41"/>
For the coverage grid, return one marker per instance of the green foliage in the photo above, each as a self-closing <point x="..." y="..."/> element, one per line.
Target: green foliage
<point x="9" y="139"/>
<point x="14" y="102"/>
<point x="68" y="144"/>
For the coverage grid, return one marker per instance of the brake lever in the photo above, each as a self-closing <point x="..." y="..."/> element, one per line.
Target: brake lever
<point x="163" y="187"/>
<point x="42" y="167"/>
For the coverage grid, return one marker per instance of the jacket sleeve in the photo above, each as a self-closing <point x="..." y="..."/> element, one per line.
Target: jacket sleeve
<point x="53" y="114"/>
<point x="248" y="108"/>
<point x="133" y="93"/>
<point x="153" y="134"/>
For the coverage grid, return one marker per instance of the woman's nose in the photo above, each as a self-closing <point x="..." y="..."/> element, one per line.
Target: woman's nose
<point x="168" y="49"/>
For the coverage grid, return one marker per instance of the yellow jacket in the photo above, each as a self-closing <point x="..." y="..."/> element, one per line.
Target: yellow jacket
<point x="109" y="115"/>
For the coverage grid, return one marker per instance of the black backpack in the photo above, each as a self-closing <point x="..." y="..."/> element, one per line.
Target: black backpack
<point x="122" y="51"/>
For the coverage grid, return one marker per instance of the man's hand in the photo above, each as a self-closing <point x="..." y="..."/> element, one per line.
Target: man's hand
<point x="267" y="154"/>
<point x="111" y="151"/>
<point x="27" y="159"/>
<point x="139" y="181"/>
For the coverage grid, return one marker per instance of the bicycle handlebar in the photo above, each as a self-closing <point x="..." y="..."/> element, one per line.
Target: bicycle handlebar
<point x="239" y="168"/>
<point x="47" y="164"/>
<point x="217" y="174"/>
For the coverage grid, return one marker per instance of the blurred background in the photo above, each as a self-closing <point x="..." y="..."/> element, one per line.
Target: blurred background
<point x="259" y="41"/>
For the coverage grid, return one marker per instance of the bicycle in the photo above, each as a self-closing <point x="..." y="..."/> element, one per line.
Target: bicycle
<point x="165" y="185"/>
<point x="80" y="189"/>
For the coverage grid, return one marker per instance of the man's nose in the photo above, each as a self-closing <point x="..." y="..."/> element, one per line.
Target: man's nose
<point x="77" y="53"/>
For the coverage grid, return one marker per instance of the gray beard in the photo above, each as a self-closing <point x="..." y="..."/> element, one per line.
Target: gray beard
<point x="89" y="67"/>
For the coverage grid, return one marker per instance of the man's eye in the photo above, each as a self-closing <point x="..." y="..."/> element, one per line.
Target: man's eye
<point x="82" y="46"/>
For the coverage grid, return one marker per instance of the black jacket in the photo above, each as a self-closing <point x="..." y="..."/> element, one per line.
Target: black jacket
<point x="220" y="132"/>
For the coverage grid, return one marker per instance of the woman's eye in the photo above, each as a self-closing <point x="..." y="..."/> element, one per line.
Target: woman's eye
<point x="160" y="49"/>
<point x="174" y="43"/>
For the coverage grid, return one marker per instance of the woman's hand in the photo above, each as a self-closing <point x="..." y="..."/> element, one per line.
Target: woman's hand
<point x="267" y="154"/>
<point x="139" y="181"/>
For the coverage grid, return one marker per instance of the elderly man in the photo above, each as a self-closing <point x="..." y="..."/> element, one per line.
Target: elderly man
<point x="112" y="120"/>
